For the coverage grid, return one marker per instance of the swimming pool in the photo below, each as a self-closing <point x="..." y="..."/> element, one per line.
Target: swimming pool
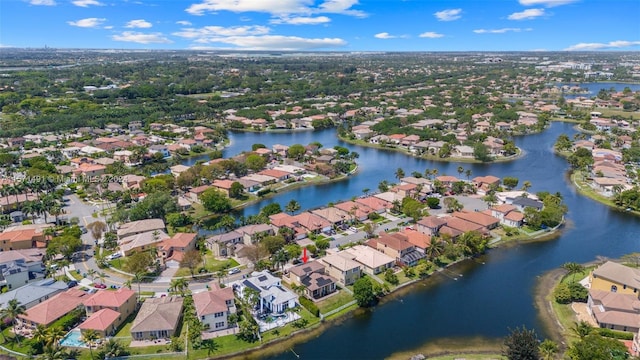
<point x="73" y="339"/>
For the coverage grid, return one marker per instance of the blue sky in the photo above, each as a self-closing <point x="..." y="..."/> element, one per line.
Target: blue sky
<point x="340" y="25"/>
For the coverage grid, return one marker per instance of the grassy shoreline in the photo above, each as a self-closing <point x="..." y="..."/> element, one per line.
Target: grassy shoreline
<point x="518" y="155"/>
<point x="577" y="179"/>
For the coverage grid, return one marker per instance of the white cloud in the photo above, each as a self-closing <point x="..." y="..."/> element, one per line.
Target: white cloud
<point x="276" y="42"/>
<point x="184" y="23"/>
<point x="526" y="14"/>
<point x="88" y="22"/>
<point x="214" y="33"/>
<point x="265" y="6"/>
<point x="141" y="38"/>
<point x="600" y="46"/>
<point x="384" y="35"/>
<point x="431" y="35"/>
<point x="546" y="3"/>
<point x="138" y="24"/>
<point x="42" y="2"/>
<point x="108" y="27"/>
<point x="500" y="31"/>
<point x="448" y="15"/>
<point x="277" y="7"/>
<point x="301" y="20"/>
<point x="86" y="3"/>
<point x="341" y="7"/>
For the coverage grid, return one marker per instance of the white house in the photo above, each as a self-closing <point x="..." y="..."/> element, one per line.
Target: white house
<point x="274" y="298"/>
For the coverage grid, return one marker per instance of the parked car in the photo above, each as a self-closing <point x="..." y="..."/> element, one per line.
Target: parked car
<point x="99" y="286"/>
<point x="83" y="229"/>
<point x="234" y="271"/>
<point x="72" y="283"/>
<point x="114" y="256"/>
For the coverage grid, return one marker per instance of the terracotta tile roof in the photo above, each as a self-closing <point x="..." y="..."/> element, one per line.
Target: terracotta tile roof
<point x="374" y="203"/>
<point x="179" y="240"/>
<point x="274" y="173"/>
<point x="418" y="239"/>
<point x="462" y="225"/>
<point x="100" y="320"/>
<point x="111" y="299"/>
<point x="476" y="218"/>
<point x="50" y="310"/>
<point x="361" y="210"/>
<point x="395" y="241"/>
<point x="223" y="184"/>
<point x="514" y="216"/>
<point x="432" y="222"/>
<point x="19" y="235"/>
<point x="504" y="208"/>
<point x="282" y="219"/>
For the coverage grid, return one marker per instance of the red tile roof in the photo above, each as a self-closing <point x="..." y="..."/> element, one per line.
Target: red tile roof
<point x="100" y="320"/>
<point x="112" y="299"/>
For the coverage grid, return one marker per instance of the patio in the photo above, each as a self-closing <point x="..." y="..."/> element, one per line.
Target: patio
<point x="273" y="321"/>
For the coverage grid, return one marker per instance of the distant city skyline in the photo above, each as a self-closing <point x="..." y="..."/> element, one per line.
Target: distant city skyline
<point x="324" y="25"/>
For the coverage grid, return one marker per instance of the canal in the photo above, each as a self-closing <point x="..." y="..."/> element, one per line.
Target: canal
<point x="495" y="291"/>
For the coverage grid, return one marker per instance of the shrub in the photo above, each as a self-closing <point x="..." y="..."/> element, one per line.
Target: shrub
<point x="263" y="192"/>
<point x="622" y="335"/>
<point x="578" y="292"/>
<point x="391" y="277"/>
<point x="562" y="294"/>
<point x="309" y="305"/>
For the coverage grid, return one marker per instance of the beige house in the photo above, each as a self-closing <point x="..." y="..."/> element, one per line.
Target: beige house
<point x="158" y="318"/>
<point x="346" y="271"/>
<point x="140" y="226"/>
<point x="373" y="261"/>
<point x="617" y="278"/>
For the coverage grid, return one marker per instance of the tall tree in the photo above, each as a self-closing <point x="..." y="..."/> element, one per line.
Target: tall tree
<point x="521" y="344"/>
<point x="191" y="260"/>
<point x="12" y="311"/>
<point x="292" y="206"/>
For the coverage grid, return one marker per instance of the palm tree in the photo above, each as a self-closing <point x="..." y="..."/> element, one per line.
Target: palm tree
<point x="526" y="185"/>
<point x="460" y="170"/>
<point x="53" y="353"/>
<point x="12" y="311"/>
<point x="573" y="269"/>
<point x="90" y="336"/>
<point x="41" y="334"/>
<point x="211" y="346"/>
<point x="54" y="335"/>
<point x="292" y="206"/>
<point x="365" y="191"/>
<point x="582" y="329"/>
<point x="113" y="348"/>
<point x="92" y="273"/>
<point x="468" y="173"/>
<point x="137" y="278"/>
<point x="435" y="249"/>
<point x="548" y="349"/>
<point x="179" y="285"/>
<point x="399" y="173"/>
<point x="127" y="284"/>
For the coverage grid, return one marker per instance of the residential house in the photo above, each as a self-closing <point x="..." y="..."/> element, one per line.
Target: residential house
<point x="313" y="223"/>
<point x="378" y="205"/>
<point x="140" y="226"/>
<point x="158" y="318"/>
<point x="141" y="241"/>
<point x="476" y="217"/>
<point x="54" y="308"/>
<point x="615" y="277"/>
<point x="173" y="249"/>
<point x="615" y="311"/>
<point x="251" y="234"/>
<point x="22" y="238"/>
<point x="223" y="185"/>
<point x="312" y="276"/>
<point x="176" y="170"/>
<point x="430" y="225"/>
<point x="523" y="202"/>
<point x="419" y="240"/>
<point x="33" y="293"/>
<point x="107" y="310"/>
<point x="355" y="210"/>
<point x="213" y="307"/>
<point x="346" y="271"/>
<point x="396" y="246"/>
<point x="224" y="244"/>
<point x="194" y="193"/>
<point x="334" y="215"/>
<point x="273" y="297"/>
<point x="373" y="261"/>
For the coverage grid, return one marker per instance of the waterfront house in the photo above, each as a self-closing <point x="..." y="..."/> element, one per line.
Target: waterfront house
<point x="333" y="215"/>
<point x="373" y="262"/>
<point x="173" y="249"/>
<point x="251" y="234"/>
<point x="372" y="202"/>
<point x="615" y="311"/>
<point x="477" y="217"/>
<point x="346" y="271"/>
<point x="141" y="241"/>
<point x="54" y="308"/>
<point x="355" y="210"/>
<point x="158" y="318"/>
<point x="273" y="298"/>
<point x="194" y="193"/>
<point x="614" y="277"/>
<point x="396" y="246"/>
<point x="313" y="223"/>
<point x="213" y="307"/>
<point x="312" y="276"/>
<point x="107" y="310"/>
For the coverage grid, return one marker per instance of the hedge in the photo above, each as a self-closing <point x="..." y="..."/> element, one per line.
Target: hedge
<point x="622" y="335"/>
<point x="309" y="305"/>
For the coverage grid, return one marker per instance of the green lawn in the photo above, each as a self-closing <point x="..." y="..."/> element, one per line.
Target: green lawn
<point x="334" y="302"/>
<point x="213" y="265"/>
<point x="577" y="277"/>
